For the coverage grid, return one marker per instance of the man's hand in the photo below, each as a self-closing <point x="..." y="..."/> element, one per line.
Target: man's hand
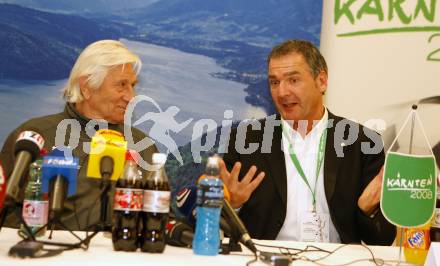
<point x="370" y="198"/>
<point x="239" y="191"/>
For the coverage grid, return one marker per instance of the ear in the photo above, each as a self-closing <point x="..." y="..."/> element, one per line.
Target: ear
<point x="85" y="90"/>
<point x="322" y="81"/>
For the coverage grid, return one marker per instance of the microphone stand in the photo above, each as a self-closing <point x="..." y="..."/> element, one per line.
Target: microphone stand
<point x="232" y="245"/>
<point x="11" y="204"/>
<point x="106" y="168"/>
<point x="30" y="236"/>
<point x="54" y="218"/>
<point x="56" y="200"/>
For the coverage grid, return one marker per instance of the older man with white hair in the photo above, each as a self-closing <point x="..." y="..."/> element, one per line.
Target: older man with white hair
<point x="99" y="88"/>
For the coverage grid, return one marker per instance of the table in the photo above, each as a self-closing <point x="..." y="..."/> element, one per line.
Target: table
<point x="433" y="257"/>
<point x="101" y="253"/>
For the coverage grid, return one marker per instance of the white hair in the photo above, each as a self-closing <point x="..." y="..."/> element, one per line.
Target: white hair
<point x="94" y="63"/>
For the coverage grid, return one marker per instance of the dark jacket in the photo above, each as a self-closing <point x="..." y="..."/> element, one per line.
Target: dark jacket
<point x="345" y="178"/>
<point x="85" y="203"/>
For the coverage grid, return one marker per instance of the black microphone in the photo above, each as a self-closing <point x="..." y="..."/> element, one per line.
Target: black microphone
<point x="236" y="223"/>
<point x="106" y="167"/>
<point x="27" y="149"/>
<point x="179" y="234"/>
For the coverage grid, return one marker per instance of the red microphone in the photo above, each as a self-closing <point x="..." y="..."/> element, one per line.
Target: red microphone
<point x="2" y="187"/>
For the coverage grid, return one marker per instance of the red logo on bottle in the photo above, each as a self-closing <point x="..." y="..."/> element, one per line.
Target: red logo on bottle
<point x="127" y="199"/>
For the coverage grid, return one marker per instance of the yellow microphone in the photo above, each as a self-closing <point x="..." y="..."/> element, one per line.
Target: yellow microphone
<point x="107" y="143"/>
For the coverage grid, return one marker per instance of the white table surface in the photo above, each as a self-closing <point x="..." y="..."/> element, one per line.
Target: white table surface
<point x="101" y="252"/>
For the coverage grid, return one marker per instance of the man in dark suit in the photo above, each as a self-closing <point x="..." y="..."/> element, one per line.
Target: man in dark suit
<point x="320" y="175"/>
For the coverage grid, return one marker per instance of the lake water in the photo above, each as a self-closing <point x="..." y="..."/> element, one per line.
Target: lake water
<point x="169" y="76"/>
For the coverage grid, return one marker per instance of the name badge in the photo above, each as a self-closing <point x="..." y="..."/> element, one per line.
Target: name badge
<point x="315" y="227"/>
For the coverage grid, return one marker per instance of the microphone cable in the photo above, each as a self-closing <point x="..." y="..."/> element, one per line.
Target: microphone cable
<point x="25" y="249"/>
<point x="298" y="254"/>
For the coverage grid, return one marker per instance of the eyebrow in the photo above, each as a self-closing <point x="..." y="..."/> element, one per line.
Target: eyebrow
<point x="135" y="82"/>
<point x="287" y="74"/>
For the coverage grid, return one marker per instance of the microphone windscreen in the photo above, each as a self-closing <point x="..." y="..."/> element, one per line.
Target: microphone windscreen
<point x="60" y="165"/>
<point x="179" y="233"/>
<point x="29" y="141"/>
<point x="109" y="143"/>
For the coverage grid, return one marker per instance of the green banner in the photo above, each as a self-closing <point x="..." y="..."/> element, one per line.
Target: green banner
<point x="408" y="189"/>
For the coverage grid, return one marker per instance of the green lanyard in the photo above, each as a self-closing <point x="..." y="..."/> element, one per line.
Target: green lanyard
<point x="320" y="160"/>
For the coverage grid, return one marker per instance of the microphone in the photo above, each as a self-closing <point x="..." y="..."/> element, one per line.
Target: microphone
<point x="27" y="148"/>
<point x="106" y="162"/>
<point x="2" y="187"/>
<point x="179" y="234"/>
<point x="235" y="222"/>
<point x="59" y="179"/>
<point x="107" y="155"/>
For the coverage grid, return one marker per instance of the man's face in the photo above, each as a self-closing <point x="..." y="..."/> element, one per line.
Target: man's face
<point x="296" y="93"/>
<point x="110" y="100"/>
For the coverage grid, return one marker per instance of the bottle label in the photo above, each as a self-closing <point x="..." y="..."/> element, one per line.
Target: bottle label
<point x="156" y="201"/>
<point x="35" y="212"/>
<point x="417" y="238"/>
<point x="128" y="199"/>
<point x="436" y="218"/>
<point x="210" y="196"/>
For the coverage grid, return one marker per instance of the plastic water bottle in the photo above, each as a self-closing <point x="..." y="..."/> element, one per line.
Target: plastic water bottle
<point x="209" y="203"/>
<point x="35" y="208"/>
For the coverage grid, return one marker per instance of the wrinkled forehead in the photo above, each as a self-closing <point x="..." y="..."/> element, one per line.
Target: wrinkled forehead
<point x="287" y="65"/>
<point x="123" y="70"/>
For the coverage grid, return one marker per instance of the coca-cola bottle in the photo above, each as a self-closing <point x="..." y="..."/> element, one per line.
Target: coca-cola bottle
<point x="156" y="207"/>
<point x="127" y="206"/>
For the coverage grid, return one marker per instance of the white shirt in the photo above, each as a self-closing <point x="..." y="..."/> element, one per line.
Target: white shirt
<point x="299" y="196"/>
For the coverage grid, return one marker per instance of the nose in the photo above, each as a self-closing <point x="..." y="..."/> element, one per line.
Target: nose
<point x="129" y="93"/>
<point x="284" y="88"/>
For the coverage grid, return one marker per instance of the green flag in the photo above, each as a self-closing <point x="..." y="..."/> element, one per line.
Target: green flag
<point x="408" y="189"/>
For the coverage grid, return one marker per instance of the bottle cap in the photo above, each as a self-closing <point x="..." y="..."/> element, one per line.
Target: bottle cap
<point x="159" y="158"/>
<point x="129" y="156"/>
<point x="43" y="152"/>
<point x="213" y="160"/>
<point x="134" y="156"/>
